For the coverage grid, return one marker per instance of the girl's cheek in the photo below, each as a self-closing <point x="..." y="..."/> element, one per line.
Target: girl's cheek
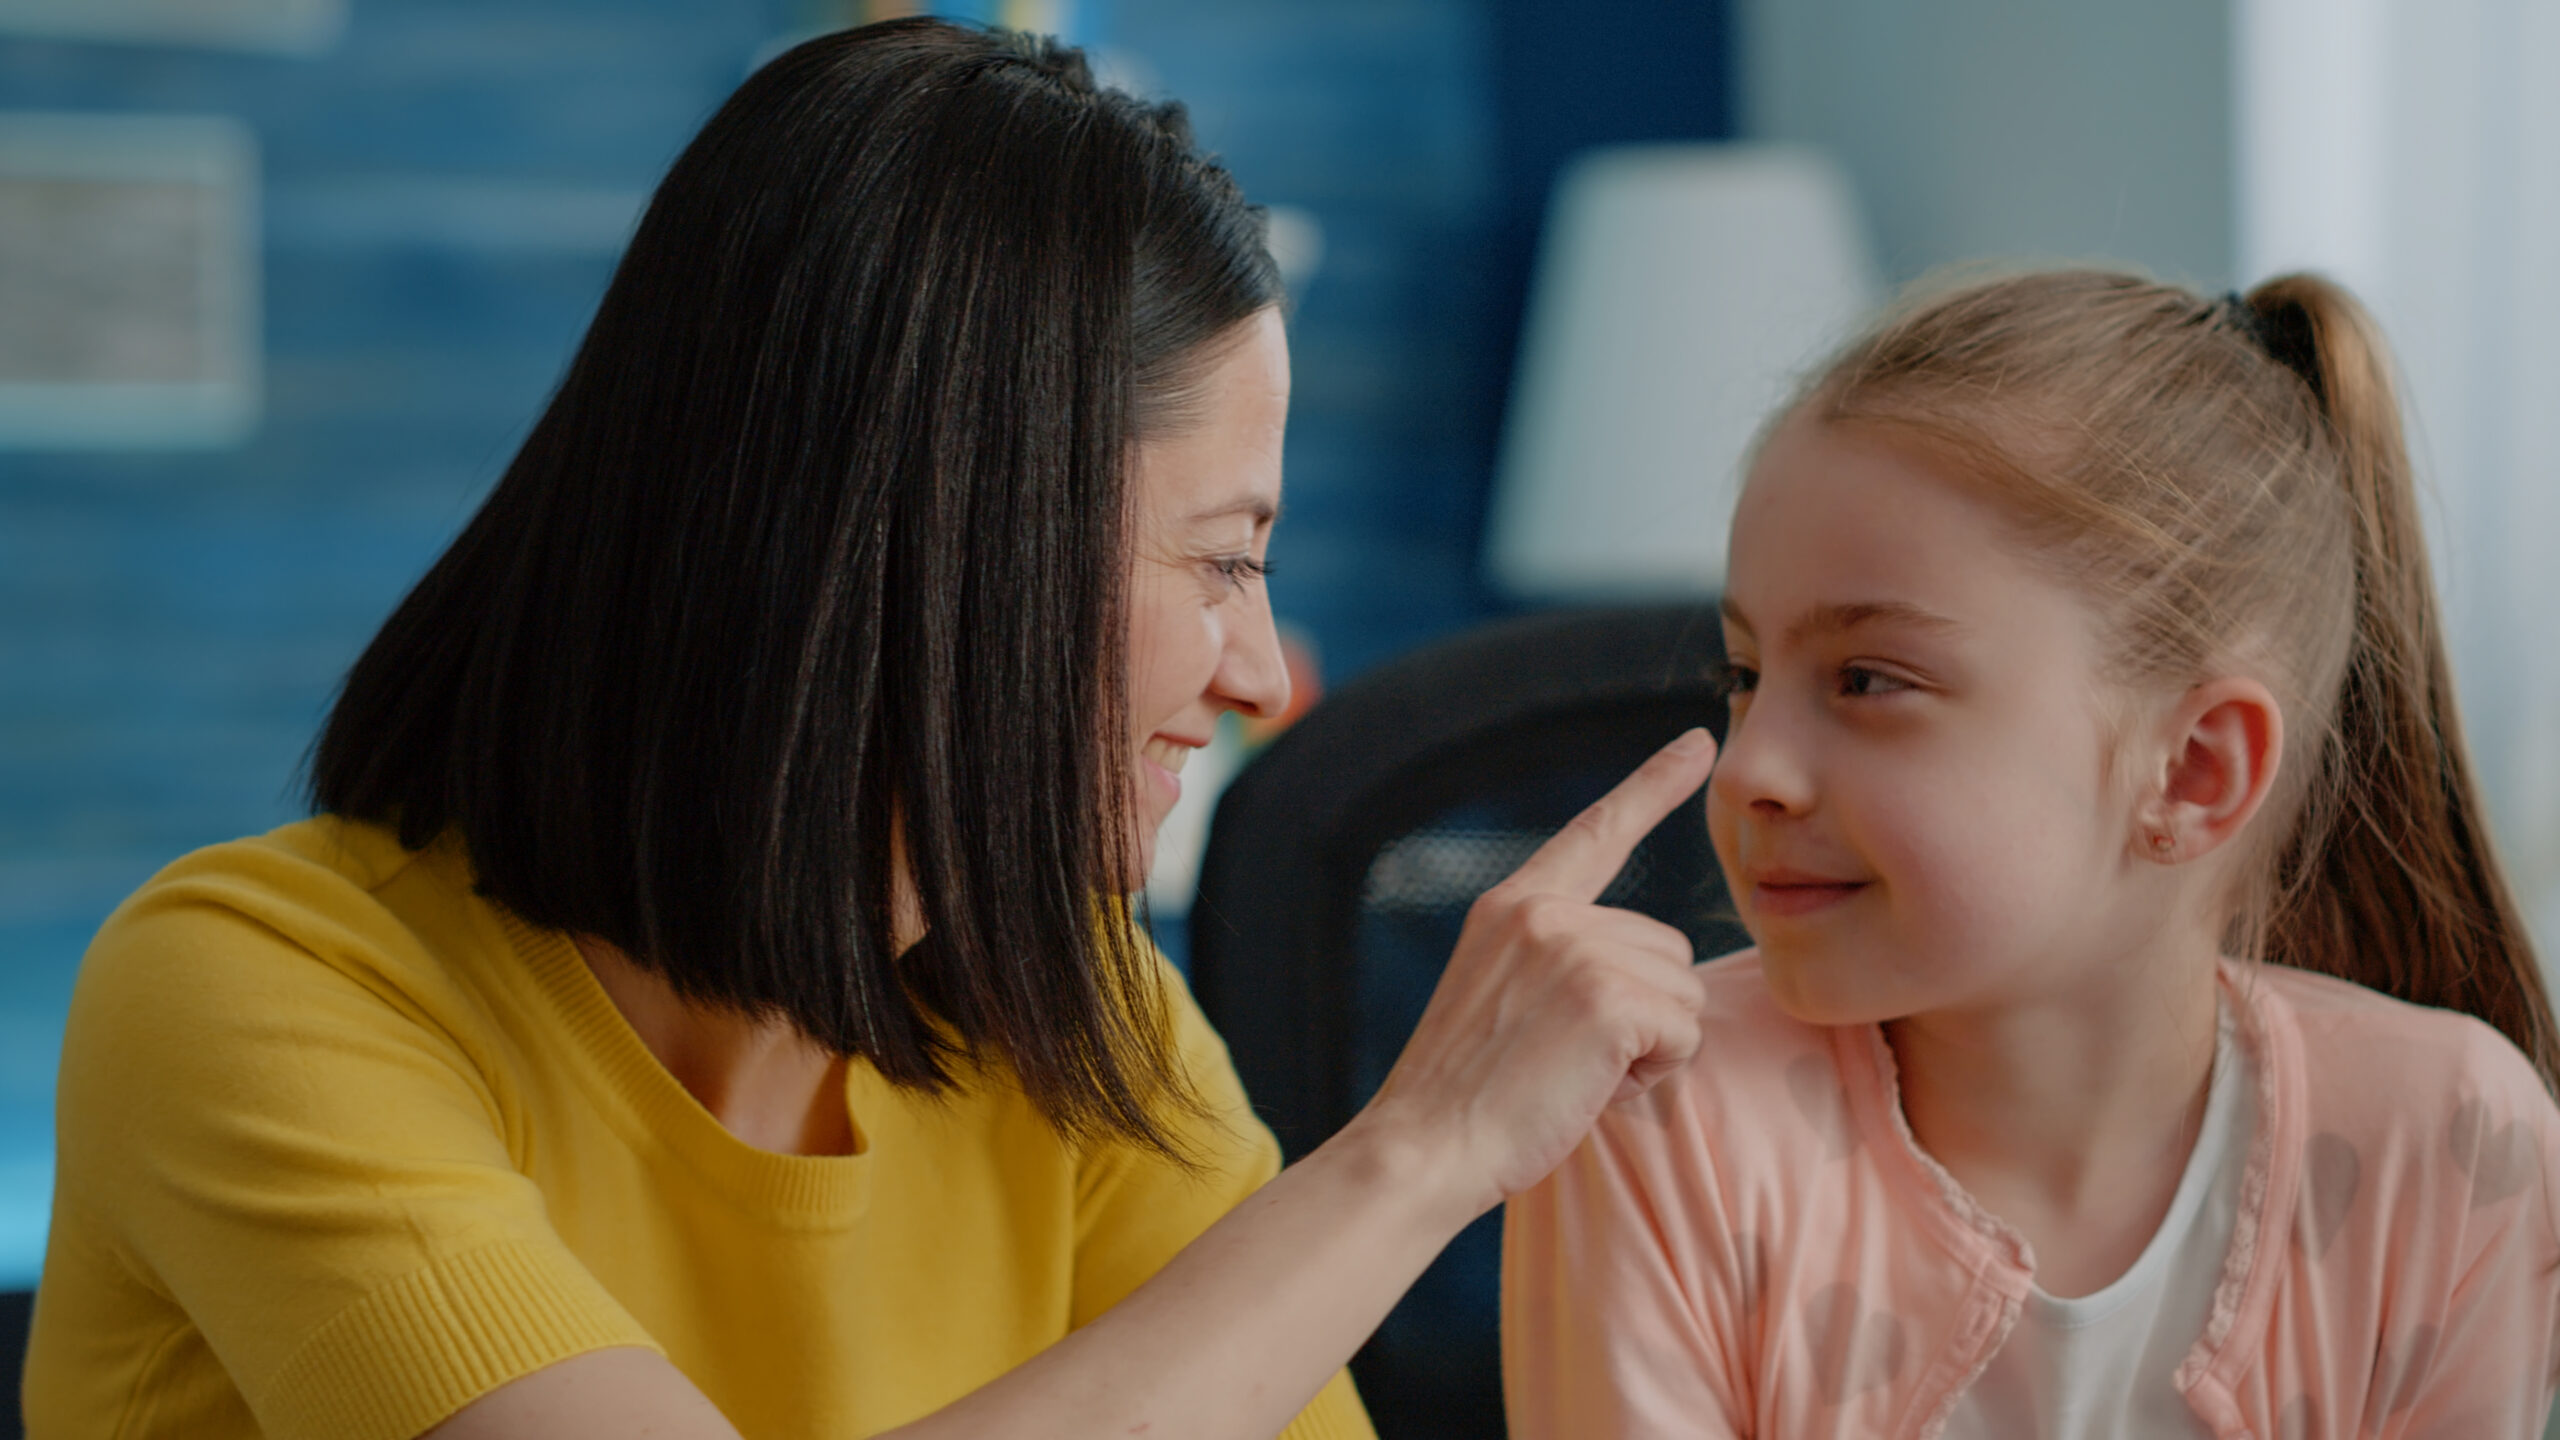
<point x="1920" y="838"/>
<point x="1719" y="822"/>
<point x="1981" y="860"/>
<point x="1724" y="827"/>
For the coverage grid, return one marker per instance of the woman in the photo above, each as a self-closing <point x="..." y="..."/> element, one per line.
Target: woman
<point x="703" y="1005"/>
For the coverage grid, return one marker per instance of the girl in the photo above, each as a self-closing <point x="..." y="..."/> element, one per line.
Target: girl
<point x="2082" y="640"/>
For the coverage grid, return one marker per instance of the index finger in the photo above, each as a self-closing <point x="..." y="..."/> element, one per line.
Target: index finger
<point x="1580" y="860"/>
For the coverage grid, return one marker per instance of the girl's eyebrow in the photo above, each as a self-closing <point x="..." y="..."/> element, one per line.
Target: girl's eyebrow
<point x="1834" y="618"/>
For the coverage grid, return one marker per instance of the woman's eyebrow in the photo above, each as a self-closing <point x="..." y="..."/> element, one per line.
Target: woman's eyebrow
<point x="1264" y="512"/>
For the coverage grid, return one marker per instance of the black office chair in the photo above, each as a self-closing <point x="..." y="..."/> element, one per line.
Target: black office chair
<point x="1340" y="867"/>
<point x="17" y="1307"/>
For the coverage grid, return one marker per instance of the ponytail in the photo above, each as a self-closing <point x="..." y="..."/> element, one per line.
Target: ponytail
<point x="2392" y="881"/>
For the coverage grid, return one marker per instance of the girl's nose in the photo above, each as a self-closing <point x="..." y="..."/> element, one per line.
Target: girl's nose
<point x="1758" y="770"/>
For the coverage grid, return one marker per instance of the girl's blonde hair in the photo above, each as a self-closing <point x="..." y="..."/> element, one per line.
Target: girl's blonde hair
<point x="2227" y="480"/>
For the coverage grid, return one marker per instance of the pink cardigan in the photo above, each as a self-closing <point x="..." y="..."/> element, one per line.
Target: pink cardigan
<point x="1759" y="1248"/>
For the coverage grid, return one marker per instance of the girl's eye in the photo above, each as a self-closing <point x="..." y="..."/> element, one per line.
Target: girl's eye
<point x="1733" y="680"/>
<point x="1859" y="680"/>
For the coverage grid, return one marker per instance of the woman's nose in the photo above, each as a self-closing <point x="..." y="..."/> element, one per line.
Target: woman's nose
<point x="1253" y="674"/>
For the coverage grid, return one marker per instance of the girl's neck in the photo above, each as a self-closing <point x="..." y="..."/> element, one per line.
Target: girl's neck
<point x="2070" y="1114"/>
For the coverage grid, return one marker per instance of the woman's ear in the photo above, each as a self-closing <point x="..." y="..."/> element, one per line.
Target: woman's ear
<point x="2225" y="741"/>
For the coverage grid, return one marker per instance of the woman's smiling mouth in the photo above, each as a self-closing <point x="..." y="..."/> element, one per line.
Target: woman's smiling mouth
<point x="1164" y="760"/>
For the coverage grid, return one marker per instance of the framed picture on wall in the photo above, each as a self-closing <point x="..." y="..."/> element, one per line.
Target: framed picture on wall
<point x="128" y="282"/>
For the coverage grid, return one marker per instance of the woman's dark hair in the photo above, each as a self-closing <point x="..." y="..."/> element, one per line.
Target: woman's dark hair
<point x="818" y="555"/>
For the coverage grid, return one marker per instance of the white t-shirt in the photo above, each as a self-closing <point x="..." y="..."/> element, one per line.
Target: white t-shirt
<point x="2103" y="1366"/>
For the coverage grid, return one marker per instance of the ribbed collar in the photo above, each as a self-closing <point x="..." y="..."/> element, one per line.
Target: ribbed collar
<point x="653" y="1110"/>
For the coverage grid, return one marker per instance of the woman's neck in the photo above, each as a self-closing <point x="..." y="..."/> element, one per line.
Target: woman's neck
<point x="2071" y="1115"/>
<point x="763" y="1080"/>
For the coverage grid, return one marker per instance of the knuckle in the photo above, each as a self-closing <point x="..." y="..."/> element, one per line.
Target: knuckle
<point x="1593" y="977"/>
<point x="1593" y="991"/>
<point x="1684" y="1027"/>
<point x="1550" y="921"/>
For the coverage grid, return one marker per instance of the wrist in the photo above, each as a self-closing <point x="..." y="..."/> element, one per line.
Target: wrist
<point x="1422" y="1168"/>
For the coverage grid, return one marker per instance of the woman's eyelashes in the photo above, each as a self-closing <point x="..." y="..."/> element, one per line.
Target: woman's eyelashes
<point x="1236" y="570"/>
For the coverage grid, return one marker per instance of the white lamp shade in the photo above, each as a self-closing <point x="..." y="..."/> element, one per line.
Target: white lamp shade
<point x="1681" y="290"/>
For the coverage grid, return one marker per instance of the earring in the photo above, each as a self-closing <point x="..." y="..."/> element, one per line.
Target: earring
<point x="2162" y="842"/>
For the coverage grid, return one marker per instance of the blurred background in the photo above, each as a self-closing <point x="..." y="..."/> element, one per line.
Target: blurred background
<point x="283" y="282"/>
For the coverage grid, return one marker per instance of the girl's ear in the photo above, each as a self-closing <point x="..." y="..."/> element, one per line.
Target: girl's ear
<point x="2225" y="740"/>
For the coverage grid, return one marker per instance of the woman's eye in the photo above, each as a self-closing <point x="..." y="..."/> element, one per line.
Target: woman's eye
<point x="1240" y="568"/>
<point x="1857" y="680"/>
<point x="1732" y="680"/>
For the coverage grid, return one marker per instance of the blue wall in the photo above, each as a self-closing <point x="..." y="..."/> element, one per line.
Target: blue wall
<point x="1424" y="134"/>
<point x="444" y="193"/>
<point x="1377" y="117"/>
<point x="171" y="625"/>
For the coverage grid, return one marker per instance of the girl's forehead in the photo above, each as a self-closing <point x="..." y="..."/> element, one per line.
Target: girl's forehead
<point x="1832" y="520"/>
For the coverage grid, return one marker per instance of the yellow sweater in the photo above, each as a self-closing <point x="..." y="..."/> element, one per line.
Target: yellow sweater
<point x="344" y="1146"/>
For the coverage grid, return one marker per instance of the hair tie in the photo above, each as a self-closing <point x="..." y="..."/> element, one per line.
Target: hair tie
<point x="2283" y="334"/>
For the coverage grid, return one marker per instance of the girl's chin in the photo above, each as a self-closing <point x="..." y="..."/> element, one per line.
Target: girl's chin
<point x="1816" y="989"/>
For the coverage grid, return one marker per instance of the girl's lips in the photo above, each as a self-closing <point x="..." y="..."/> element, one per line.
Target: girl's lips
<point x="1789" y="899"/>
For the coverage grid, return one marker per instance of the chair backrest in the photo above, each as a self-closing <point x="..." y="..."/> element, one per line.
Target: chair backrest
<point x="1340" y="868"/>
<point x="17" y="1311"/>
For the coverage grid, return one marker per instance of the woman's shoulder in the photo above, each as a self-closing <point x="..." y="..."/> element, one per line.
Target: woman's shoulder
<point x="301" y="913"/>
<point x="309" y="872"/>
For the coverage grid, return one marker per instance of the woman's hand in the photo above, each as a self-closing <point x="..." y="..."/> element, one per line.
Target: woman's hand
<point x="1552" y="1006"/>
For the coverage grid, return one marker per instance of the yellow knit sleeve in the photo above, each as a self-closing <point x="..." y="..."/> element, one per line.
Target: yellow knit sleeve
<point x="1135" y="1211"/>
<point x="277" y="1131"/>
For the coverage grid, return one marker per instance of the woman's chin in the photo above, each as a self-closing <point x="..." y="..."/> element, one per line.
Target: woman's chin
<point x="1138" y="847"/>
